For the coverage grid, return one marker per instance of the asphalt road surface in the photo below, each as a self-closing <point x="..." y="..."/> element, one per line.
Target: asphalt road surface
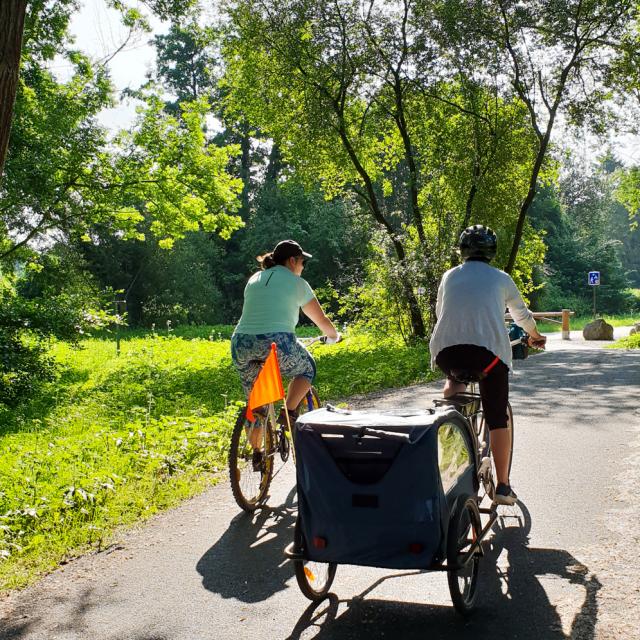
<point x="562" y="564"/>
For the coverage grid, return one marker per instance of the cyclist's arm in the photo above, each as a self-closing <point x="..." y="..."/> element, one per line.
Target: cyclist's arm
<point x="314" y="312"/>
<point x="522" y="316"/>
<point x="439" y="298"/>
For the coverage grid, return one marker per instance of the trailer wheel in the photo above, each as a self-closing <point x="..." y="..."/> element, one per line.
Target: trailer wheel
<point x="314" y="578"/>
<point x="464" y="530"/>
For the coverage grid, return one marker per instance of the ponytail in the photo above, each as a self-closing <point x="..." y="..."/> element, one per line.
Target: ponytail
<point x="266" y="261"/>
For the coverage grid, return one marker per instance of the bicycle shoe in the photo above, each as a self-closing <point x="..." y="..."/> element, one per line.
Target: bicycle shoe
<point x="257" y="460"/>
<point x="505" y="495"/>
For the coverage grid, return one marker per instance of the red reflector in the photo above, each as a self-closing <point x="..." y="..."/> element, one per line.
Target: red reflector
<point x="415" y="547"/>
<point x="319" y="543"/>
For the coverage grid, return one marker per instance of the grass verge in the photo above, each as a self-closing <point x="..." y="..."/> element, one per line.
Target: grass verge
<point x="630" y="342"/>
<point x="577" y="324"/>
<point x="117" y="439"/>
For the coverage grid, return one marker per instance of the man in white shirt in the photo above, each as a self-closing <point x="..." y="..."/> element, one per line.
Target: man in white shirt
<point x="470" y="335"/>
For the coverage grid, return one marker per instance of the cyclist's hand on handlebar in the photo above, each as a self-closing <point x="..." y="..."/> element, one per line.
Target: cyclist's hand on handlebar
<point x="538" y="342"/>
<point x="329" y="340"/>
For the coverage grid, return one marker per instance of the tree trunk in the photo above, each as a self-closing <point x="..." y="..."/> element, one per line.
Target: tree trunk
<point x="417" y="323"/>
<point x="245" y="171"/>
<point x="531" y="194"/>
<point x="12" y="13"/>
<point x="274" y="166"/>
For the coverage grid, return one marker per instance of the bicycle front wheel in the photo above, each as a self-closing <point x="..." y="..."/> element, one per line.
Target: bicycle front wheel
<point x="310" y="402"/>
<point x="250" y="476"/>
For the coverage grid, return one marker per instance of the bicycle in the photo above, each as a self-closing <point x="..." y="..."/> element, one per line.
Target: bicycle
<point x="353" y="477"/>
<point x="470" y="406"/>
<point x="250" y="484"/>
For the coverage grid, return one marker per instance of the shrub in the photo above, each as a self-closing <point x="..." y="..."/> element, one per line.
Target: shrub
<point x="26" y="325"/>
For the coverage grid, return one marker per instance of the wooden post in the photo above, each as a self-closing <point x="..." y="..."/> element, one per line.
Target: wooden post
<point x="566" y="333"/>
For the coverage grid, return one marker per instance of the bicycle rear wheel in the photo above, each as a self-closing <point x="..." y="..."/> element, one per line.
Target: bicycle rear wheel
<point x="314" y="578"/>
<point x="250" y="485"/>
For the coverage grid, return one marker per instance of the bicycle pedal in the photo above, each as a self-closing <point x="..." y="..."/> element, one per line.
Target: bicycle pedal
<point x="485" y="465"/>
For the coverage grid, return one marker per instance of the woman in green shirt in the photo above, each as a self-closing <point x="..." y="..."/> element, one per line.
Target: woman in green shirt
<point x="273" y="298"/>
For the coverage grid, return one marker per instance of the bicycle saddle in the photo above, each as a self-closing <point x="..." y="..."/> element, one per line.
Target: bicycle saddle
<point x="466" y="376"/>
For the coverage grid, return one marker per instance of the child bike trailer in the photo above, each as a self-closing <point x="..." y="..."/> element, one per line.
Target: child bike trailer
<point x="396" y="490"/>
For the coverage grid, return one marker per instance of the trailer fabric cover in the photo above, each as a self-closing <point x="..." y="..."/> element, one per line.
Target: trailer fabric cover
<point x="368" y="500"/>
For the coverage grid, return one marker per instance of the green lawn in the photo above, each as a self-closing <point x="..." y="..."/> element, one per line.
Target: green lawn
<point x="117" y="439"/>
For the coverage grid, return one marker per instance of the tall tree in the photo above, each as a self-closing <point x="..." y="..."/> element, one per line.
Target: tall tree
<point x="559" y="57"/>
<point x="355" y="98"/>
<point x="12" y="14"/>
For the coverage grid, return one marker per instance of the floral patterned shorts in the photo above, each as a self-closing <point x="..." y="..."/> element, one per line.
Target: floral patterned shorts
<point x="249" y="352"/>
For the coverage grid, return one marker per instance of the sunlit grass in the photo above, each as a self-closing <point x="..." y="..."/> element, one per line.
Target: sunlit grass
<point x="118" y="438"/>
<point x="630" y="342"/>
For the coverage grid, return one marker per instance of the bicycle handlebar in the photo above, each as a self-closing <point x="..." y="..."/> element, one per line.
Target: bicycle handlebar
<point x="536" y="344"/>
<point x="322" y="339"/>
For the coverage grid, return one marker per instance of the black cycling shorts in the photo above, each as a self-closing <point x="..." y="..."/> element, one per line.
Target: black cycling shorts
<point x="494" y="388"/>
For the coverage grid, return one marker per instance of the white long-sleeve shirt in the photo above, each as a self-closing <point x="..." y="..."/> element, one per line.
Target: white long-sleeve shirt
<point x="470" y="310"/>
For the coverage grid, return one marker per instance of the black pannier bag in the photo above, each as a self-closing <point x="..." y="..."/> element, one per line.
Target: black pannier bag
<point x="376" y="489"/>
<point x="518" y="351"/>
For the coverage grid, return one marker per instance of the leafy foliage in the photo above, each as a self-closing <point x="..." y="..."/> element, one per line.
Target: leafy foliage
<point x="63" y="176"/>
<point x="33" y="309"/>
<point x="365" y="102"/>
<point x="584" y="233"/>
<point x="630" y="342"/>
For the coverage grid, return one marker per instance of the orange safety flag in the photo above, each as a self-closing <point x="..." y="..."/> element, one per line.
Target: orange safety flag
<point x="268" y="385"/>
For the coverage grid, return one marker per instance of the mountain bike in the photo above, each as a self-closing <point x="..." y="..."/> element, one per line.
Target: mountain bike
<point x="251" y="478"/>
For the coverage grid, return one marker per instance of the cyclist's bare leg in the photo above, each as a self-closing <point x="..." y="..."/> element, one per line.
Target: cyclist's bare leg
<point x="298" y="388"/>
<point x="452" y="388"/>
<point x="255" y="430"/>
<point x="501" y="449"/>
<point x="255" y="435"/>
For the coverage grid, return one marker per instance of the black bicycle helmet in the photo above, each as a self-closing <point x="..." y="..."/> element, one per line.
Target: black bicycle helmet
<point x="478" y="242"/>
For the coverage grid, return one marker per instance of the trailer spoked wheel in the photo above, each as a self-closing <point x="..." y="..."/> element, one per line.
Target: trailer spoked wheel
<point x="464" y="530"/>
<point x="314" y="578"/>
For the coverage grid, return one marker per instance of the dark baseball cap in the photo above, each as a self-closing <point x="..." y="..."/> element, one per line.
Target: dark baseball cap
<point x="288" y="249"/>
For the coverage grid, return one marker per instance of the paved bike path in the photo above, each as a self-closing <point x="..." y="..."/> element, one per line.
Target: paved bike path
<point x="561" y="566"/>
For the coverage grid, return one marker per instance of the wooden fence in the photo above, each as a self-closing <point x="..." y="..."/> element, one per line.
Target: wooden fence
<point x="551" y="317"/>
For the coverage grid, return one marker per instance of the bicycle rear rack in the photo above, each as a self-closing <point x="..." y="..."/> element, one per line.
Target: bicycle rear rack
<point x="465" y="403"/>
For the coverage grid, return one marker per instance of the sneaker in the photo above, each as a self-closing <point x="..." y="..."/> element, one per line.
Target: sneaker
<point x="282" y="418"/>
<point x="256" y="460"/>
<point x="505" y="495"/>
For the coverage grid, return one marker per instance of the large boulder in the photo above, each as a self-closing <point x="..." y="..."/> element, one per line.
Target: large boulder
<point x="598" y="330"/>
<point x="635" y="329"/>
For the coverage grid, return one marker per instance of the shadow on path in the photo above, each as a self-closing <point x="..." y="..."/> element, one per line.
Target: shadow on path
<point x="594" y="380"/>
<point x="248" y="562"/>
<point x="75" y="620"/>
<point x="512" y="601"/>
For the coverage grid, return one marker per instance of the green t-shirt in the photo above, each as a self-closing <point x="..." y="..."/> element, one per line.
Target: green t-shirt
<point x="272" y="301"/>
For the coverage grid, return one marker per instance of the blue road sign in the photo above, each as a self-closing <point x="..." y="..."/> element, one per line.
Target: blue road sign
<point x="594" y="278"/>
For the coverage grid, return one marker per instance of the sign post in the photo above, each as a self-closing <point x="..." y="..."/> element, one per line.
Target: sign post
<point x="594" y="281"/>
